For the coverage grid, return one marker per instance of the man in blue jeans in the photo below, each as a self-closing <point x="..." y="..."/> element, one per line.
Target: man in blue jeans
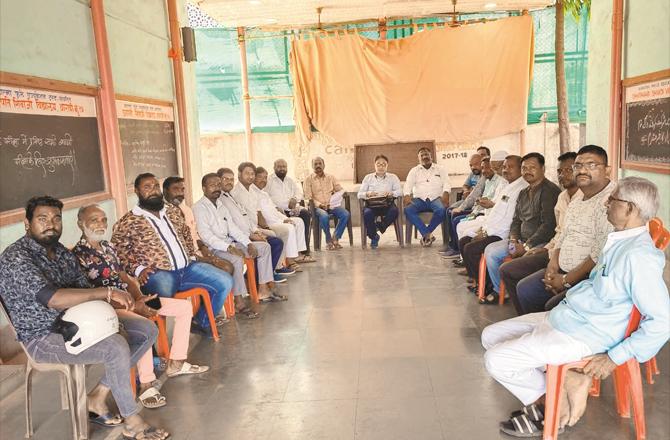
<point x="426" y="190"/>
<point x="153" y="243"/>
<point x="319" y="187"/>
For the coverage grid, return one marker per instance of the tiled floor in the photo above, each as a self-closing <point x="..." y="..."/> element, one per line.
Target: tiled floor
<point x="372" y="345"/>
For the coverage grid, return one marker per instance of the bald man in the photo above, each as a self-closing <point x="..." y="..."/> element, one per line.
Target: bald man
<point x="287" y="194"/>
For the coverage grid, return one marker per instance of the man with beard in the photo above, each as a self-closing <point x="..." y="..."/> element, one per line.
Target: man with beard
<point x="98" y="259"/>
<point x="155" y="245"/>
<point x="287" y="195"/>
<point x="533" y="224"/>
<point x="219" y="232"/>
<point x="426" y="190"/>
<point x="578" y="247"/>
<point x="174" y="192"/>
<point x="319" y="187"/>
<point x="40" y="278"/>
<point x="537" y="258"/>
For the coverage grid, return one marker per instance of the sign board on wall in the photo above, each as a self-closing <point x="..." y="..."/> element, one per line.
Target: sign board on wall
<point x="645" y="141"/>
<point x="147" y="139"/>
<point x="49" y="144"/>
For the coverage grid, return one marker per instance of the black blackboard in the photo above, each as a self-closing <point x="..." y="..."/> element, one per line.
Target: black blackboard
<point x="647" y="128"/>
<point x="403" y="156"/>
<point x="148" y="147"/>
<point x="43" y="154"/>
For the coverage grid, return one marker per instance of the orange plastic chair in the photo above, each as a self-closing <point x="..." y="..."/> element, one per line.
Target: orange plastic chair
<point x="197" y="294"/>
<point x="229" y="305"/>
<point x="251" y="279"/>
<point x="481" y="281"/>
<point x="162" y="344"/>
<point x="627" y="384"/>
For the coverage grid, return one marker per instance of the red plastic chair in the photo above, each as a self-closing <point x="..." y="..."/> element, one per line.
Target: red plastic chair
<point x="627" y="385"/>
<point x="197" y="294"/>
<point x="481" y="281"/>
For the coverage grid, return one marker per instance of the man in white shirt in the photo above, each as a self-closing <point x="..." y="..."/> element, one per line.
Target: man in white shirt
<point x="220" y="233"/>
<point x="287" y="194"/>
<point x="248" y="200"/>
<point x="426" y="190"/>
<point x="293" y="227"/>
<point x="497" y="222"/>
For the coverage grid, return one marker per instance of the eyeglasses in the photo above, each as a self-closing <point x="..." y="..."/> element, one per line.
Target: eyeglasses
<point x="563" y="170"/>
<point x="588" y="165"/>
<point x="611" y="199"/>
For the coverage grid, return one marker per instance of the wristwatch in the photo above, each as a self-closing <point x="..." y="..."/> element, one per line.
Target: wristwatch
<point x="565" y="282"/>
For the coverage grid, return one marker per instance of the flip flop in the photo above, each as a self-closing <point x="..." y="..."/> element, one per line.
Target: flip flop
<point x="278" y="297"/>
<point x="107" y="420"/>
<point x="305" y="259"/>
<point x="247" y="313"/>
<point x="187" y="368"/>
<point x="145" y="433"/>
<point x="152" y="394"/>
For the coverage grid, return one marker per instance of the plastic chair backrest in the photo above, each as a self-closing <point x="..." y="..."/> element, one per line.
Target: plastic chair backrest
<point x="659" y="234"/>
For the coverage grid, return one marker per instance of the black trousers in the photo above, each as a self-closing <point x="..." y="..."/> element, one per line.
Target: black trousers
<point x="307" y="220"/>
<point x="516" y="270"/>
<point x="472" y="251"/>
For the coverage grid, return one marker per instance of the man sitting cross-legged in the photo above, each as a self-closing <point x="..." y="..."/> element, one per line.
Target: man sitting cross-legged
<point x="220" y="233"/>
<point x="428" y="185"/>
<point x="39" y="278"/>
<point x="591" y="321"/>
<point x="98" y="259"/>
<point x="155" y="245"/>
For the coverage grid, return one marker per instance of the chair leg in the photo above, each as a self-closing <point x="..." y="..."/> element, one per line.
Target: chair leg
<point x="445" y="233"/>
<point x="501" y="295"/>
<point x="364" y="241"/>
<point x="398" y="231"/>
<point x="229" y="305"/>
<point x="64" y="400"/>
<point x="621" y="391"/>
<point x="350" y="231"/>
<point x="481" y="286"/>
<point x="552" y="404"/>
<point x="133" y="381"/>
<point x="29" y="400"/>
<point x="210" y="313"/>
<point x="71" y="403"/>
<point x="251" y="279"/>
<point x="80" y="400"/>
<point x="637" y="397"/>
<point x="317" y="233"/>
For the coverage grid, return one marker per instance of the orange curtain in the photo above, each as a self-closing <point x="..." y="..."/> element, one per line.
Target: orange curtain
<point x="447" y="84"/>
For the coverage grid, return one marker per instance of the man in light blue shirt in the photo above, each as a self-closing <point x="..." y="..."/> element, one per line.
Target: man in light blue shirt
<point x="591" y="321"/>
<point x="377" y="192"/>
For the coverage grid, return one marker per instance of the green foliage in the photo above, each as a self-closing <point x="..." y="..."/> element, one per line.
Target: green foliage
<point x="577" y="8"/>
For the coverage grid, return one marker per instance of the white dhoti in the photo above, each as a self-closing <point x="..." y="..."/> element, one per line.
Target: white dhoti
<point x="469" y="228"/>
<point x="518" y="350"/>
<point x="299" y="233"/>
<point x="286" y="232"/>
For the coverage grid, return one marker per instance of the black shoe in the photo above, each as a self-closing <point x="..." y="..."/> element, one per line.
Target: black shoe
<point x="458" y="262"/>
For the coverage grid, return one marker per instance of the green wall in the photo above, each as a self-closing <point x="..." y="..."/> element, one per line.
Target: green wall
<point x="54" y="39"/>
<point x="646" y="42"/>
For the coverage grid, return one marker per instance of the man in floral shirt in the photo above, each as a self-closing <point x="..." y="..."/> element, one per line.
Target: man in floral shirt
<point x="101" y="264"/>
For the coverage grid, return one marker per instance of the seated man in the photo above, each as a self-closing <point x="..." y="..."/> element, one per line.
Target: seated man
<point x="227" y="241"/>
<point x="248" y="199"/>
<point x="246" y="224"/>
<point x="174" y="191"/>
<point x="379" y="185"/>
<point x="533" y="224"/>
<point x="99" y="262"/>
<point x="287" y="195"/>
<point x="155" y="245"/>
<point x="591" y="321"/>
<point x="491" y="186"/>
<point x="428" y="185"/>
<point x="290" y="227"/>
<point x="496" y="223"/>
<point x="39" y="278"/>
<point x="319" y="187"/>
<point x="536" y="260"/>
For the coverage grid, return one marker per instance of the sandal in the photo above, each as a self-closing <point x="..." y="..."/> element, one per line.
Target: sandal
<point x="152" y="398"/>
<point x="331" y="247"/>
<point x="295" y="266"/>
<point x="338" y="245"/>
<point x="305" y="259"/>
<point x="533" y="411"/>
<point x="247" y="313"/>
<point x="187" y="368"/>
<point x="278" y="297"/>
<point x="148" y="433"/>
<point x="220" y="320"/>
<point x="523" y="426"/>
<point x="107" y="420"/>
<point x="491" y="298"/>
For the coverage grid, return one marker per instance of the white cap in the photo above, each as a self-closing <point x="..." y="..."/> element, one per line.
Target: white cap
<point x="499" y="155"/>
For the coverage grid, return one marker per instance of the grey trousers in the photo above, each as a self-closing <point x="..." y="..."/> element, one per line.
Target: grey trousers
<point x="263" y="261"/>
<point x="114" y="352"/>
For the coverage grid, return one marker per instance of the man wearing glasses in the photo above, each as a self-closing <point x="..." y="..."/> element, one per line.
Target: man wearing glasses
<point x="577" y="246"/>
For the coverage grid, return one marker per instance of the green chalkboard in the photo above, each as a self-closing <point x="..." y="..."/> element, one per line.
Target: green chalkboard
<point x="148" y="147"/>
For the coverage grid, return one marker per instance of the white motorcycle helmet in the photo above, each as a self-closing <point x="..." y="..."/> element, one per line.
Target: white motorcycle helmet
<point x="86" y="324"/>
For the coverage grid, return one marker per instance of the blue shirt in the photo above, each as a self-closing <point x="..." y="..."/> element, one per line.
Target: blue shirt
<point x="388" y="183"/>
<point x="472" y="180"/>
<point x="597" y="310"/>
